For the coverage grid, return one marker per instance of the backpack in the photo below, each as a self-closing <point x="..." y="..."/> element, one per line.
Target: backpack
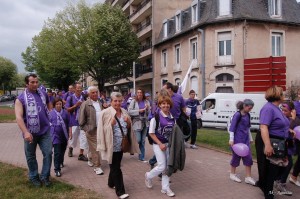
<point x="156" y="116"/>
<point x="230" y="120"/>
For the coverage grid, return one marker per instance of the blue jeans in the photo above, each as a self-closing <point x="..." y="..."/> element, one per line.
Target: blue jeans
<point x="45" y="144"/>
<point x="140" y="137"/>
<point x="59" y="154"/>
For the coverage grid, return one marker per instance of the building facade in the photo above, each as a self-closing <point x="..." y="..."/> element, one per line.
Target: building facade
<point x="145" y="17"/>
<point x="218" y="38"/>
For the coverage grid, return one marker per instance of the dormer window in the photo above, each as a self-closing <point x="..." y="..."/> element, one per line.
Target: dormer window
<point x="225" y="7"/>
<point x="165" y="28"/>
<point x="195" y="11"/>
<point x="178" y="21"/>
<point x="275" y="8"/>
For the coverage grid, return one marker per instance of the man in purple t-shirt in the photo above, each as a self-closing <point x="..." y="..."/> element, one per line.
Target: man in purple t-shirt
<point x="73" y="104"/>
<point x="32" y="115"/>
<point x="69" y="93"/>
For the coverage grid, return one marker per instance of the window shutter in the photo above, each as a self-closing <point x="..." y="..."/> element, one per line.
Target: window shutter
<point x="198" y="9"/>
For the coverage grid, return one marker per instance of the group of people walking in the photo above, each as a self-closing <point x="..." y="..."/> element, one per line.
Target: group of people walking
<point x="60" y="123"/>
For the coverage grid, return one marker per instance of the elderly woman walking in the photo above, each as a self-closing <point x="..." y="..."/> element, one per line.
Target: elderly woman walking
<point x="114" y="123"/>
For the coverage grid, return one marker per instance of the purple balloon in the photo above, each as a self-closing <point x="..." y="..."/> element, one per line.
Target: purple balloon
<point x="297" y="131"/>
<point x="241" y="149"/>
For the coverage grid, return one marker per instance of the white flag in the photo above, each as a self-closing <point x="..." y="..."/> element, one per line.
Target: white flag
<point x="182" y="86"/>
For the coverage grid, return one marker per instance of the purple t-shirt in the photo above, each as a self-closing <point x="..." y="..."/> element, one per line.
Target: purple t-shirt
<point x="141" y="106"/>
<point x="67" y="94"/>
<point x="165" y="128"/>
<point x="44" y="120"/>
<point x="240" y="125"/>
<point x="278" y="124"/>
<point x="57" y="132"/>
<point x="297" y="108"/>
<point x="178" y="104"/>
<point x="71" y="100"/>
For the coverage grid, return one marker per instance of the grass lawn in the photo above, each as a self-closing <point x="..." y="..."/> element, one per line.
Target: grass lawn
<point x="218" y="139"/>
<point x="7" y="114"/>
<point x="15" y="184"/>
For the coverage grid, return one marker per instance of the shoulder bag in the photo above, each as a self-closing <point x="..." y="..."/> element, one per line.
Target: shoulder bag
<point x="125" y="141"/>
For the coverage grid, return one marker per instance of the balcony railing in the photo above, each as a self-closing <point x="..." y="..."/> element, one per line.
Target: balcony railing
<point x="142" y="69"/>
<point x="138" y="8"/>
<point x="145" y="47"/>
<point x="143" y="27"/>
<point x="125" y="3"/>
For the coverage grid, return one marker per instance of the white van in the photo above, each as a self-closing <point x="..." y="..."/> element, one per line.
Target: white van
<point x="217" y="108"/>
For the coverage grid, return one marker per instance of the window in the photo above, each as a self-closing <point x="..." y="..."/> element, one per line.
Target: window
<point x="178" y="22"/>
<point x="225" y="77"/>
<point x="277" y="44"/>
<point x="224" y="48"/>
<point x="165" y="26"/>
<point x="164" y="58"/>
<point x="194" y="13"/>
<point x="177" y="54"/>
<point x="224" y="7"/>
<point x="177" y="82"/>
<point x="194" y="84"/>
<point x="193" y="44"/>
<point x="275" y="8"/>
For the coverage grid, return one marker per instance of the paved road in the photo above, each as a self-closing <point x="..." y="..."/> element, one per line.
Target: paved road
<point x="7" y="103"/>
<point x="206" y="174"/>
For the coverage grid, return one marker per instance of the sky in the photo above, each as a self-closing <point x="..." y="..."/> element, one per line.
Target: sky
<point x="21" y="20"/>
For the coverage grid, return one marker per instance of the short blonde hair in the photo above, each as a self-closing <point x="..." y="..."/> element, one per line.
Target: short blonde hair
<point x="166" y="99"/>
<point x="274" y="93"/>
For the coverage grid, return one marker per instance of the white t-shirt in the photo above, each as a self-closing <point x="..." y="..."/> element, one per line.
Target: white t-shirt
<point x="98" y="110"/>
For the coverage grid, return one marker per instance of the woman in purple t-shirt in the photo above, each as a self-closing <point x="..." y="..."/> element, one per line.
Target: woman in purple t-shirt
<point x="160" y="138"/>
<point x="240" y="133"/>
<point x="273" y="123"/>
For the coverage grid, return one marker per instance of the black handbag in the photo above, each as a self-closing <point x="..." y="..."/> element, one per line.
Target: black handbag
<point x="279" y="147"/>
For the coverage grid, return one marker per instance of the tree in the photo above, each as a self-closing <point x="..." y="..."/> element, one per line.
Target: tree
<point x="97" y="40"/>
<point x="8" y="71"/>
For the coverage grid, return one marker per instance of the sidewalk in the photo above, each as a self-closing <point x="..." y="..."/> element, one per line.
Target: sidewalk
<point x="206" y="173"/>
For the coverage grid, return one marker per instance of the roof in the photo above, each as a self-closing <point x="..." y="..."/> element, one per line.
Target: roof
<point x="256" y="10"/>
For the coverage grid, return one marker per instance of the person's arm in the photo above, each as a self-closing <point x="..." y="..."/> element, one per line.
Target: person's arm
<point x="82" y="115"/>
<point x="250" y="136"/>
<point x="183" y="106"/>
<point x="152" y="127"/>
<point x="266" y="139"/>
<point x="73" y="107"/>
<point x="136" y="111"/>
<point x="19" y="118"/>
<point x="233" y="126"/>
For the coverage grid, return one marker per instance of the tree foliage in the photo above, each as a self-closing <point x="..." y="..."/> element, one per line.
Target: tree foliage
<point x="97" y="40"/>
<point x="8" y="71"/>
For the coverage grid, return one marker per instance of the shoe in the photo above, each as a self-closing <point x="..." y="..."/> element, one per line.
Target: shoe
<point x="234" y="177"/>
<point x="57" y="173"/>
<point x="90" y="163"/>
<point x="281" y="190"/>
<point x="194" y="147"/>
<point x="250" y="180"/>
<point x="125" y="195"/>
<point x="70" y="153"/>
<point x="169" y="192"/>
<point x="295" y="182"/>
<point x="36" y="183"/>
<point x="148" y="182"/>
<point x="143" y="160"/>
<point x="98" y="171"/>
<point x="46" y="182"/>
<point x="82" y="157"/>
<point x="269" y="195"/>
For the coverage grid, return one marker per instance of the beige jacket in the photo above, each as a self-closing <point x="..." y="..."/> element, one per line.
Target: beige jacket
<point x="105" y="134"/>
<point x="87" y="116"/>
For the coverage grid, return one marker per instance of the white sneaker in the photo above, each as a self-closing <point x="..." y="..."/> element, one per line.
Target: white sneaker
<point x="169" y="192"/>
<point x="234" y="177"/>
<point x="295" y="182"/>
<point x="125" y="195"/>
<point x="98" y="171"/>
<point x="90" y="163"/>
<point x="250" y="180"/>
<point x="194" y="147"/>
<point x="148" y="182"/>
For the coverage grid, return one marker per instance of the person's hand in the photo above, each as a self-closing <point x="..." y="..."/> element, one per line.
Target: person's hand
<point x="78" y="103"/>
<point x="293" y="133"/>
<point x="163" y="147"/>
<point x="113" y="121"/>
<point x="28" y="137"/>
<point x="293" y="113"/>
<point x="126" y="120"/>
<point x="230" y="143"/>
<point x="142" y="110"/>
<point x="268" y="150"/>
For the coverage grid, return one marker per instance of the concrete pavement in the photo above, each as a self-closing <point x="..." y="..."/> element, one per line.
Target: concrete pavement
<point x="206" y="174"/>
